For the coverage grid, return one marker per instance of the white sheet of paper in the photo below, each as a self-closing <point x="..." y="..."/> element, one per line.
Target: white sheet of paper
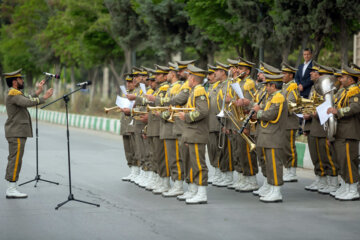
<point x="143" y="88"/>
<point x="123" y="89"/>
<point x="322" y="112"/>
<point x="237" y="89"/>
<point x="300" y="115"/>
<point x="124" y="102"/>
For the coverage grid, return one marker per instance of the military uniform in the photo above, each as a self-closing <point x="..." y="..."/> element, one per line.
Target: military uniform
<point x="322" y="154"/>
<point x="347" y="138"/>
<point x="271" y="137"/>
<point x="18" y="128"/>
<point x="291" y="94"/>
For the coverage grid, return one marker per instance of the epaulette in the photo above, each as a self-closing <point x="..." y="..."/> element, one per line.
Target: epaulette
<point x="150" y="91"/>
<point x="215" y="85"/>
<point x="199" y="91"/>
<point x="185" y="86"/>
<point x="14" y="92"/>
<point x="292" y="87"/>
<point x="278" y="98"/>
<point x="175" y="89"/>
<point x="353" y="91"/>
<point x="249" y="84"/>
<point x="164" y="88"/>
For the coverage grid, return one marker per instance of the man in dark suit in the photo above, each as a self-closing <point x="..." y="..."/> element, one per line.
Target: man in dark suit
<point x="302" y="76"/>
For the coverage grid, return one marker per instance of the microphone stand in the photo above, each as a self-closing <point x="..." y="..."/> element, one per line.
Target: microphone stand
<point x="71" y="195"/>
<point x="37" y="176"/>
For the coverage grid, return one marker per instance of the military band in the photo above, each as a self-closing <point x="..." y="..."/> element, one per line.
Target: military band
<point x="177" y="121"/>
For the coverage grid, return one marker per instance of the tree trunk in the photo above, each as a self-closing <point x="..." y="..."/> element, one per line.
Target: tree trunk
<point x="127" y="55"/>
<point x="249" y="53"/>
<point x="319" y="44"/>
<point x="343" y="40"/>
<point x="119" y="80"/>
<point x="286" y="50"/>
<point x="304" y="42"/>
<point x="72" y="85"/>
<point x="93" y="89"/>
<point x="105" y="88"/>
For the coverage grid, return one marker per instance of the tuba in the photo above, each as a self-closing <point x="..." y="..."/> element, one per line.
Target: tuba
<point x="325" y="86"/>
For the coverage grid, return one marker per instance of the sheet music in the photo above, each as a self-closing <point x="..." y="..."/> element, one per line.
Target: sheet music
<point x="322" y="111"/>
<point x="143" y="88"/>
<point x="237" y="89"/>
<point x="123" y="89"/>
<point x="122" y="102"/>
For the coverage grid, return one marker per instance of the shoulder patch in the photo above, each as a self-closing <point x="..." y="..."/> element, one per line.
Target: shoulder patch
<point x="292" y="87"/>
<point x="175" y="89"/>
<point x="149" y="91"/>
<point x="249" y="84"/>
<point x="278" y="98"/>
<point x="14" y="92"/>
<point x="164" y="88"/>
<point x="353" y="91"/>
<point x="199" y="91"/>
<point x="185" y="86"/>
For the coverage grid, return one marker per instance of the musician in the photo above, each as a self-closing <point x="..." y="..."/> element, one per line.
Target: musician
<point x="263" y="69"/>
<point x="247" y="159"/>
<point x="347" y="112"/>
<point x="180" y="99"/>
<point x="292" y="95"/>
<point x="171" y="143"/>
<point x="226" y="152"/>
<point x="140" y="151"/>
<point x="153" y="130"/>
<point x="125" y="131"/>
<point x="321" y="152"/>
<point x="18" y="126"/>
<point x="196" y="134"/>
<point x="272" y="117"/>
<point x="214" y="125"/>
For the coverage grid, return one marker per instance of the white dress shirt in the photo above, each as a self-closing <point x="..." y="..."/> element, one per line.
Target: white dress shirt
<point x="306" y="64"/>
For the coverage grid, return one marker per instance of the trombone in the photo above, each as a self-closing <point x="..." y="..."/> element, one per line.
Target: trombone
<point x="137" y="114"/>
<point x="221" y="117"/>
<point x="236" y="122"/>
<point x="115" y="109"/>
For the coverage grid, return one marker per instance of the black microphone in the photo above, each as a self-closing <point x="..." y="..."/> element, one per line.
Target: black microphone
<point x="83" y="84"/>
<point x="57" y="76"/>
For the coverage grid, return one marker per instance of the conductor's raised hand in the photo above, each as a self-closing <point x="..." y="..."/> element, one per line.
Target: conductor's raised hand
<point x="48" y="93"/>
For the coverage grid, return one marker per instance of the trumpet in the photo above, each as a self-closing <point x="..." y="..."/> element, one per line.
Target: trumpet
<point x="115" y="109"/>
<point x="304" y="105"/>
<point x="137" y="114"/>
<point x="174" y="112"/>
<point x="156" y="109"/>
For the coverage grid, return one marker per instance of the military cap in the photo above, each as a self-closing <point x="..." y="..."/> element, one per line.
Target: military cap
<point x="14" y="74"/>
<point x="355" y="67"/>
<point x="151" y="78"/>
<point x="349" y="71"/>
<point x="144" y="70"/>
<point x="173" y="66"/>
<point x="211" y="68"/>
<point x="273" y="78"/>
<point x="337" y="72"/>
<point x="221" y="66"/>
<point x="184" y="64"/>
<point x="161" y="69"/>
<point x="149" y="70"/>
<point x="196" y="71"/>
<point x="321" y="68"/>
<point x="232" y="62"/>
<point x="244" y="62"/>
<point x="268" y="69"/>
<point x="287" y="68"/>
<point x="128" y="76"/>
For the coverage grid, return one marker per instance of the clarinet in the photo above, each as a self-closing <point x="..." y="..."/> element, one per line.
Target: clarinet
<point x="246" y="121"/>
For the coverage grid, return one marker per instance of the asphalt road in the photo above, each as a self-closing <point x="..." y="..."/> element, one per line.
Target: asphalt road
<point x="129" y="212"/>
